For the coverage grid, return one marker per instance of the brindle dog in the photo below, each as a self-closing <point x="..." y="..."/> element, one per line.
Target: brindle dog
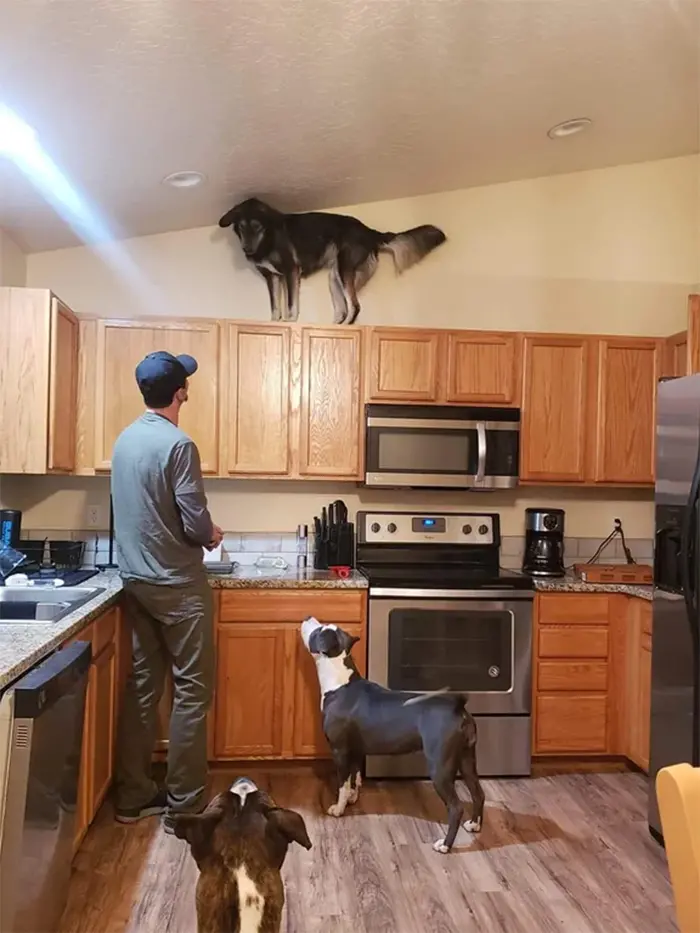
<point x="239" y="844"/>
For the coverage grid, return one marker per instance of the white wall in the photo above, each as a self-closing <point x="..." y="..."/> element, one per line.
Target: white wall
<point x="13" y="262"/>
<point x="610" y="251"/>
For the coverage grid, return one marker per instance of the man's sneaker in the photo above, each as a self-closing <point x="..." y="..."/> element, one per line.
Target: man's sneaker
<point x="169" y="818"/>
<point x="154" y="807"/>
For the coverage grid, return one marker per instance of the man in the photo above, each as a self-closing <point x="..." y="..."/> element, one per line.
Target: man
<point x="161" y="524"/>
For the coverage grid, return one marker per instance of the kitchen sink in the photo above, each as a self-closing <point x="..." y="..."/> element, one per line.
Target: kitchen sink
<point x="43" y="604"/>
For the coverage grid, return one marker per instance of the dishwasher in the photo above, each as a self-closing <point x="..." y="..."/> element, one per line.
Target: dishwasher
<point x="41" y="733"/>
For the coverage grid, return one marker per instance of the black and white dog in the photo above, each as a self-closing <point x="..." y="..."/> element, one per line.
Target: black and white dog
<point x="361" y="718"/>
<point x="286" y="248"/>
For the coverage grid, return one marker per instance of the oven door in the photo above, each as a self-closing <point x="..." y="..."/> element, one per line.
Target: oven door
<point x="424" y="452"/>
<point x="470" y="643"/>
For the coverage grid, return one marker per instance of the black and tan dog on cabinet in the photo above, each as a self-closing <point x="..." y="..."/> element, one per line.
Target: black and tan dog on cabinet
<point x="362" y="718"/>
<point x="286" y="248"/>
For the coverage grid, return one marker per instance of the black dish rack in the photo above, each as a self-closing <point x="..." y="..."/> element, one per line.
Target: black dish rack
<point x="58" y="555"/>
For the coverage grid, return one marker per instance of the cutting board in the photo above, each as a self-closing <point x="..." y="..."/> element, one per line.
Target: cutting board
<point x="639" y="574"/>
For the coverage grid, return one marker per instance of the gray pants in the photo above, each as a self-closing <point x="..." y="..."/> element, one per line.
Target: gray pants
<point x="172" y="626"/>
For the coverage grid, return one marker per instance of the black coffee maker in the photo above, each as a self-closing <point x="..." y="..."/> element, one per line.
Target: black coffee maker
<point x="544" y="543"/>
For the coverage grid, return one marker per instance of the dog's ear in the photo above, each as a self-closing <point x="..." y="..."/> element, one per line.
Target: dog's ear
<point x="228" y="218"/>
<point x="350" y="641"/>
<point x="290" y="825"/>
<point x="198" y="830"/>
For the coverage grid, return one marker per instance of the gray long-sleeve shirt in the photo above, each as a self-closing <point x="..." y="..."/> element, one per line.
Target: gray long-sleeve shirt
<point x="161" y="519"/>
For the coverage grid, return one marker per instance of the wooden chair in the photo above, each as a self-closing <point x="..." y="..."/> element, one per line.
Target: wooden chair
<point x="678" y="794"/>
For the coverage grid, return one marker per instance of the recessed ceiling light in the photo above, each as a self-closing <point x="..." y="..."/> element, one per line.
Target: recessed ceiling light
<point x="184" y="179"/>
<point x="569" y="128"/>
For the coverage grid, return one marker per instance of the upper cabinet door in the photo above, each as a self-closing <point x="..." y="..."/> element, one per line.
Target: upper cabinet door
<point x="675" y="355"/>
<point x="554" y="408"/>
<point x="255" y="415"/>
<point x="483" y="368"/>
<point x="331" y="402"/>
<point x="38" y="367"/>
<point x="121" y="345"/>
<point x="63" y="387"/>
<point x="403" y="365"/>
<point x="629" y="369"/>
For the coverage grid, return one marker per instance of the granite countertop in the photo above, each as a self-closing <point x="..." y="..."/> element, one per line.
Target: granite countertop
<point x="24" y="644"/>
<point x="572" y="584"/>
<point x="291" y="579"/>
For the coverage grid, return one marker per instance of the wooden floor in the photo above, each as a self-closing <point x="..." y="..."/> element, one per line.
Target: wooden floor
<point x="568" y="853"/>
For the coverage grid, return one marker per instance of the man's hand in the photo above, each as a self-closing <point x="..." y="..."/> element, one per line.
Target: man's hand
<point x="217" y="538"/>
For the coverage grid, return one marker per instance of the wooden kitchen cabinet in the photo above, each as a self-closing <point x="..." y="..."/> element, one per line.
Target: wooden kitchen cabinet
<point x="445" y="367"/>
<point x="256" y="410"/>
<point x="251" y="686"/>
<point x="575" y="646"/>
<point x="120" y="346"/>
<point x="483" y="368"/>
<point x="39" y="364"/>
<point x="331" y="403"/>
<point x="404" y="365"/>
<point x="628" y="372"/>
<point x="592" y="675"/>
<point x="638" y="683"/>
<point x="267" y="701"/>
<point x="556" y="413"/>
<point x="102" y="705"/>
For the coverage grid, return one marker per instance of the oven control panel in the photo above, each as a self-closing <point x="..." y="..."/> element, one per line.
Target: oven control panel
<point x="426" y="528"/>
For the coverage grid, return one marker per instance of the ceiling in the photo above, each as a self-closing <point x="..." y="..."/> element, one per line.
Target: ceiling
<point x="322" y="103"/>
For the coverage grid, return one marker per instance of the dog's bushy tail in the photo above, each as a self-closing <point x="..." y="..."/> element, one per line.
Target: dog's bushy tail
<point x="411" y="246"/>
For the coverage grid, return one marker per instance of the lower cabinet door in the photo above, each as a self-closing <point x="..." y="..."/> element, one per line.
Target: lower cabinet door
<point x="103" y="688"/>
<point x="568" y="723"/>
<point x="99" y="739"/>
<point x="250" y="689"/>
<point x="309" y="740"/>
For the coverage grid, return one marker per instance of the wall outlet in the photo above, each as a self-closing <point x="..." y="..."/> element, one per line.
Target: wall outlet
<point x="93" y="516"/>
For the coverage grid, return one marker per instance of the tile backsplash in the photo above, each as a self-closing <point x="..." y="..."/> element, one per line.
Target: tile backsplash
<point x="245" y="549"/>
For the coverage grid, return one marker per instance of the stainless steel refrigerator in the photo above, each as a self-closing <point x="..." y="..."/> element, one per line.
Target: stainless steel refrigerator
<point x="675" y="658"/>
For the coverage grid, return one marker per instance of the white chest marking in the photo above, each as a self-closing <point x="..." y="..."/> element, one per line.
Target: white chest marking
<point x="332" y="673"/>
<point x="250" y="900"/>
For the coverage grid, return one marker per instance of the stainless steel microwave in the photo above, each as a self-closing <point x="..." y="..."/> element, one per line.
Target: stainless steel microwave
<point x="441" y="447"/>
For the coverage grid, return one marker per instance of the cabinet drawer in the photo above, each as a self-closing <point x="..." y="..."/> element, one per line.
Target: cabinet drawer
<point x="591" y="608"/>
<point x="646" y="641"/>
<point x="291" y="605"/>
<point x="570" y="723"/>
<point x="573" y="641"/>
<point x="646" y="619"/>
<point x="572" y="675"/>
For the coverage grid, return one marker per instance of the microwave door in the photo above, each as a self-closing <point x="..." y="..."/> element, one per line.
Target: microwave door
<point x="423" y="453"/>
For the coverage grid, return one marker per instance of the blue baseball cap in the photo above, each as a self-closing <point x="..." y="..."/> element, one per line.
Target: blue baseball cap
<point x="165" y="370"/>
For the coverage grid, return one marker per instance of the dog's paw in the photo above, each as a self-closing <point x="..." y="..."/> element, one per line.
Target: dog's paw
<point x="440" y="847"/>
<point x="335" y="810"/>
<point x="473" y="826"/>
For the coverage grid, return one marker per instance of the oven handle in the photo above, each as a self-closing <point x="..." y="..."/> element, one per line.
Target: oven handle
<point x="481" y="448"/>
<point x="484" y="595"/>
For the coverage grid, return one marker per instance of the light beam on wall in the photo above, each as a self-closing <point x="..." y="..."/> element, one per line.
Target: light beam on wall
<point x="20" y="144"/>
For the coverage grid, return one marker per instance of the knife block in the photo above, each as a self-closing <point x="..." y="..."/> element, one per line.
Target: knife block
<point x="335" y="551"/>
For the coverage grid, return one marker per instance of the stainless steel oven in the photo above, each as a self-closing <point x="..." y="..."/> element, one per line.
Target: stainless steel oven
<point x="443" y="614"/>
<point x="441" y="447"/>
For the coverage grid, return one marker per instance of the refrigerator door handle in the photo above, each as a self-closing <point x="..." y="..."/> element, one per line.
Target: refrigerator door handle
<point x="690" y="551"/>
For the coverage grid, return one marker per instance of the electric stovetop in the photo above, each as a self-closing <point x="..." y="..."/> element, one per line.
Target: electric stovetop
<point x="420" y="577"/>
